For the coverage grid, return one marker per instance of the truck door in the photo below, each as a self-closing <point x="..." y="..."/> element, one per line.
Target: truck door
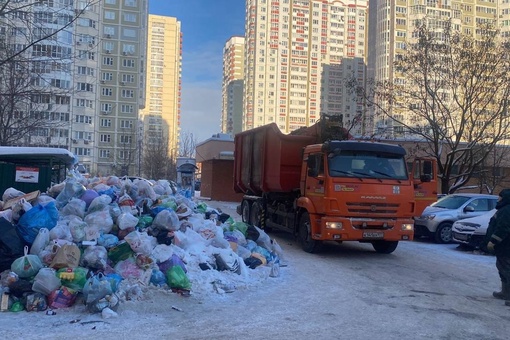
<point x="424" y="174"/>
<point x="315" y="181"/>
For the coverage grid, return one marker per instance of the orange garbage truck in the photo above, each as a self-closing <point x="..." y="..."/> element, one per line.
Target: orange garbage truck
<point x="322" y="186"/>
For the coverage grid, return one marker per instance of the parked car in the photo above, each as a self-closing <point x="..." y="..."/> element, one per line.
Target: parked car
<point x="471" y="231"/>
<point x="437" y="219"/>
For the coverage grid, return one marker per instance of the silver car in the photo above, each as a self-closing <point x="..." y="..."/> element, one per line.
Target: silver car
<point x="437" y="219"/>
<point x="471" y="231"/>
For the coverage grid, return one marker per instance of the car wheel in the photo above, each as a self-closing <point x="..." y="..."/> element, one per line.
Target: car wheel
<point x="305" y="235"/>
<point x="444" y="233"/>
<point x="385" y="247"/>
<point x="245" y="211"/>
<point x="255" y="214"/>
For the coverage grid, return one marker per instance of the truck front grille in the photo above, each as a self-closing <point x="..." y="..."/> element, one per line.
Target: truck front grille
<point x="372" y="208"/>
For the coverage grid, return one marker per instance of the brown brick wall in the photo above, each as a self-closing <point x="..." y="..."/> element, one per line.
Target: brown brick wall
<point x="218" y="181"/>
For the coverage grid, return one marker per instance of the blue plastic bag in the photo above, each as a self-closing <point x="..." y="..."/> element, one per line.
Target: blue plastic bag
<point x="40" y="216"/>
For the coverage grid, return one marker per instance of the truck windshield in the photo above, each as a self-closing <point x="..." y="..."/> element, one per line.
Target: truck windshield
<point x="367" y="165"/>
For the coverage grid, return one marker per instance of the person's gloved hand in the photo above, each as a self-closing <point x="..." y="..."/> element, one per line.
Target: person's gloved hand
<point x="490" y="246"/>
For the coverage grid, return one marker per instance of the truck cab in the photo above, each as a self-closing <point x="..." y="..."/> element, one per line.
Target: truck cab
<point x="355" y="191"/>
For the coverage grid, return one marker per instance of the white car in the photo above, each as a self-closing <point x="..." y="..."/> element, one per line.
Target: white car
<point x="471" y="231"/>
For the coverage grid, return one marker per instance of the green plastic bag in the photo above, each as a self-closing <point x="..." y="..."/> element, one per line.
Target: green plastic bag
<point x="201" y="207"/>
<point x="241" y="226"/>
<point x="170" y="204"/>
<point x="26" y="266"/>
<point x="17" y="307"/>
<point x="144" y="221"/>
<point x="73" y="278"/>
<point x="177" y="278"/>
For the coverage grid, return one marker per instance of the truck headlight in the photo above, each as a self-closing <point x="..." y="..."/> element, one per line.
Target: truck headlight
<point x="407" y="227"/>
<point x="334" y="225"/>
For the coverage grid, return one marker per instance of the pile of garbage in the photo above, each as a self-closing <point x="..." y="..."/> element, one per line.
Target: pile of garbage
<point x="103" y="241"/>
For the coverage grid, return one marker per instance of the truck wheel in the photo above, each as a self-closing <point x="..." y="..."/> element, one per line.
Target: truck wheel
<point x="245" y="211"/>
<point x="385" y="247"/>
<point x="255" y="214"/>
<point x="443" y="233"/>
<point x="305" y="235"/>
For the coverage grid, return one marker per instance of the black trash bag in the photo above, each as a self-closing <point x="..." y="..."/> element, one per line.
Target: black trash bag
<point x="252" y="262"/>
<point x="164" y="237"/>
<point x="252" y="233"/>
<point x="11" y="244"/>
<point x="207" y="266"/>
<point x="223" y="217"/>
<point x="20" y="287"/>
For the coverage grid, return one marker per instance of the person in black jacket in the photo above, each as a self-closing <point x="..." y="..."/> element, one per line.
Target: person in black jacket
<point x="498" y="242"/>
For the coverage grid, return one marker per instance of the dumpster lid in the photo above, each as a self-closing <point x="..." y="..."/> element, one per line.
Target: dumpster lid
<point x="36" y="155"/>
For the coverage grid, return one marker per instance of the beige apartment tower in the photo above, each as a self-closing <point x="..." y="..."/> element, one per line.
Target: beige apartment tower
<point x="298" y="53"/>
<point x="394" y="23"/>
<point x="121" y="89"/>
<point x="232" y="86"/>
<point x="161" y="116"/>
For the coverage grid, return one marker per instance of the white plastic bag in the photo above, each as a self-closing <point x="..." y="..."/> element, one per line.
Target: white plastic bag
<point x="140" y="242"/>
<point x="126" y="221"/>
<point x="166" y="220"/>
<point x="46" y="281"/>
<point x="100" y="219"/>
<point x="41" y="241"/>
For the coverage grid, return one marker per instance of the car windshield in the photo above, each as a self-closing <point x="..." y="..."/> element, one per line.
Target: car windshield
<point x="367" y="165"/>
<point x="450" y="202"/>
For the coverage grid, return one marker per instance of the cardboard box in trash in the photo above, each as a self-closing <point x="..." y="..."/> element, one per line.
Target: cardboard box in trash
<point x="67" y="256"/>
<point x="28" y="197"/>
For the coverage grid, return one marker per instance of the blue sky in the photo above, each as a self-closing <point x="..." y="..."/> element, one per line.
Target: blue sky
<point x="206" y="26"/>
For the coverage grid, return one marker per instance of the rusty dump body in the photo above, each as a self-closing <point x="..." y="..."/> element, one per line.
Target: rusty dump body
<point x="268" y="161"/>
<point x="321" y="190"/>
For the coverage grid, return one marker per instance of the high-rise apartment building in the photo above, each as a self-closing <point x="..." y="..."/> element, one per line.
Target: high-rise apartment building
<point x="298" y="53"/>
<point x="121" y="91"/>
<point x="394" y="23"/>
<point x="232" y="87"/>
<point x="89" y="78"/>
<point x="161" y="117"/>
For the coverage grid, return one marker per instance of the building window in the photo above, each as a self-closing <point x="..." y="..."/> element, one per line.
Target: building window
<point x="127" y="93"/>
<point x="126" y="124"/>
<point x="107" y="76"/>
<point x="106" y="107"/>
<point x="126" y="139"/>
<point x="124" y="108"/>
<point x="85" y="87"/>
<point x="129" y="33"/>
<point x="128" y="63"/>
<point x="128" y="48"/>
<point x="104" y="153"/>
<point x="130" y="17"/>
<point x="106" y="122"/>
<point x="108" y="61"/>
<point x="109" y="15"/>
<point x="106" y="91"/>
<point x="123" y="154"/>
<point x="105" y="138"/>
<point x="130" y="3"/>
<point x="85" y="103"/>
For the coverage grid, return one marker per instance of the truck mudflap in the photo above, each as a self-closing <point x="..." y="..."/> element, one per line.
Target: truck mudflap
<point x="363" y="230"/>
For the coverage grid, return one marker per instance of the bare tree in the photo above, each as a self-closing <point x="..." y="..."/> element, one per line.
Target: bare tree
<point x="157" y="161"/>
<point x="187" y="145"/>
<point x="31" y="33"/>
<point x="452" y="93"/>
